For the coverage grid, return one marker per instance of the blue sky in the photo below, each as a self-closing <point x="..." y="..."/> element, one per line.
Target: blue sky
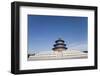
<point x="43" y="30"/>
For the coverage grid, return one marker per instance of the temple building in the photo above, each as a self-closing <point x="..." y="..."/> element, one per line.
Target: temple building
<point x="59" y="45"/>
<point x="59" y="51"/>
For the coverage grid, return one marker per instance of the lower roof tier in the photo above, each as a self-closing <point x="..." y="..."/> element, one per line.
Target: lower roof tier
<point x="59" y="48"/>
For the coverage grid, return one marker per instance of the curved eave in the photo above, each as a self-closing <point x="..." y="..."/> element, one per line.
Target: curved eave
<point x="59" y="44"/>
<point x="59" y="48"/>
<point x="59" y="41"/>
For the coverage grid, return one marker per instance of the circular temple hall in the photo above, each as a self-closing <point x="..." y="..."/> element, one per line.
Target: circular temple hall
<point x="59" y="45"/>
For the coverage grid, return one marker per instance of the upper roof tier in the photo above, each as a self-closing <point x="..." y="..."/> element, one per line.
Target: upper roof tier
<point x="59" y="41"/>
